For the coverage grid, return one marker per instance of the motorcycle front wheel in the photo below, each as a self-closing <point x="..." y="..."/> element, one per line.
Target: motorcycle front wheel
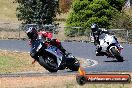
<point x="116" y="54"/>
<point x="49" y="63"/>
<point x="73" y="64"/>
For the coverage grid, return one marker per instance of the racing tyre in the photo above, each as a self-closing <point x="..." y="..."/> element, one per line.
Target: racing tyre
<point x="49" y="63"/>
<point x="117" y="54"/>
<point x="73" y="64"/>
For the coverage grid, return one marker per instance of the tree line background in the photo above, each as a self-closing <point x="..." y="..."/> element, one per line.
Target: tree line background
<point x="81" y="13"/>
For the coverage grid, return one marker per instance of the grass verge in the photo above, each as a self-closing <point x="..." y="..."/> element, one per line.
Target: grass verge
<point x="12" y="62"/>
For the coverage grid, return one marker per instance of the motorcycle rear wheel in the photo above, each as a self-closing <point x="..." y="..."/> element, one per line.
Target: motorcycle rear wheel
<point x="46" y="63"/>
<point x="117" y="54"/>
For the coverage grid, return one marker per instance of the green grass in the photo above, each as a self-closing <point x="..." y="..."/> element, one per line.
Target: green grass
<point x="11" y="62"/>
<point x="7" y="62"/>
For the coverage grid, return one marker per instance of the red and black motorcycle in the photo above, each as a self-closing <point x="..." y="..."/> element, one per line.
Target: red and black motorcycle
<point x="52" y="58"/>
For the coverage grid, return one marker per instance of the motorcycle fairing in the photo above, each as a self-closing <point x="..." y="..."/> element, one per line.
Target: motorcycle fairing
<point x="106" y="40"/>
<point x="36" y="45"/>
<point x="56" y="52"/>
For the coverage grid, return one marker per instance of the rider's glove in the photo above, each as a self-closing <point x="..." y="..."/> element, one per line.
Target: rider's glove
<point x="95" y="43"/>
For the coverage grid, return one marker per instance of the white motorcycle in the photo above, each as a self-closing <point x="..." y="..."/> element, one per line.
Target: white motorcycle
<point x="110" y="46"/>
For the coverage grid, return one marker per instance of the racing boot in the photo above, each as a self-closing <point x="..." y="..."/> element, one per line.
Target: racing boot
<point x="100" y="53"/>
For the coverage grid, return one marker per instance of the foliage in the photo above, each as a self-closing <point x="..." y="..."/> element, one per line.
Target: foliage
<point x="36" y="11"/>
<point x="116" y="4"/>
<point x="122" y="21"/>
<point x="85" y="12"/>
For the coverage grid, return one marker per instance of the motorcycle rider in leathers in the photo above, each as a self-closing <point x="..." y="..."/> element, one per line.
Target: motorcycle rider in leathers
<point x="33" y="34"/>
<point x="96" y="33"/>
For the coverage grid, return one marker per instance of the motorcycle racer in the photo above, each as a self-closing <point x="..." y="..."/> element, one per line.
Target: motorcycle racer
<point x="42" y="36"/>
<point x="107" y="44"/>
<point x="49" y="53"/>
<point x="97" y="34"/>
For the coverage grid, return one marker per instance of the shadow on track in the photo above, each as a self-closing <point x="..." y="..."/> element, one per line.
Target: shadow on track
<point x="113" y="61"/>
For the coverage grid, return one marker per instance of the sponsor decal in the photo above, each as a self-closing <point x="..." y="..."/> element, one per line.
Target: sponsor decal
<point x="83" y="78"/>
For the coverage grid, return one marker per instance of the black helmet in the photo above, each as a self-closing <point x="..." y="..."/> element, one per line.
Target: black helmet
<point x="31" y="33"/>
<point x="94" y="27"/>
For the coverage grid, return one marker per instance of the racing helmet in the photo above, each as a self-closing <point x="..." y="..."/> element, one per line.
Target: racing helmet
<point x="31" y="33"/>
<point x="94" y="27"/>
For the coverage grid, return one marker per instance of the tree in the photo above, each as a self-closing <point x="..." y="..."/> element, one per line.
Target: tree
<point x="36" y="11"/>
<point x="85" y="12"/>
<point x="123" y="20"/>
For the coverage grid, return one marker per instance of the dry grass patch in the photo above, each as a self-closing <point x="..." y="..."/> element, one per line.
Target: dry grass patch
<point x="68" y="81"/>
<point x="12" y="35"/>
<point x="37" y="82"/>
<point x="8" y="11"/>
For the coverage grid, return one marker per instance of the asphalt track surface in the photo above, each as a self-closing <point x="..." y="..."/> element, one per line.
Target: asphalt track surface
<point x="82" y="50"/>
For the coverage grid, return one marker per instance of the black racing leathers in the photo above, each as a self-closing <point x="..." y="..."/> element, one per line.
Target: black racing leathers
<point x="96" y="36"/>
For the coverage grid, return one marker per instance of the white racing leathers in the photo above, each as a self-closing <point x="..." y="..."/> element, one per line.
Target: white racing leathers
<point x="111" y="46"/>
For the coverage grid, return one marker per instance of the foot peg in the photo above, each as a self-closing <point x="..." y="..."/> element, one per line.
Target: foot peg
<point x="33" y="61"/>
